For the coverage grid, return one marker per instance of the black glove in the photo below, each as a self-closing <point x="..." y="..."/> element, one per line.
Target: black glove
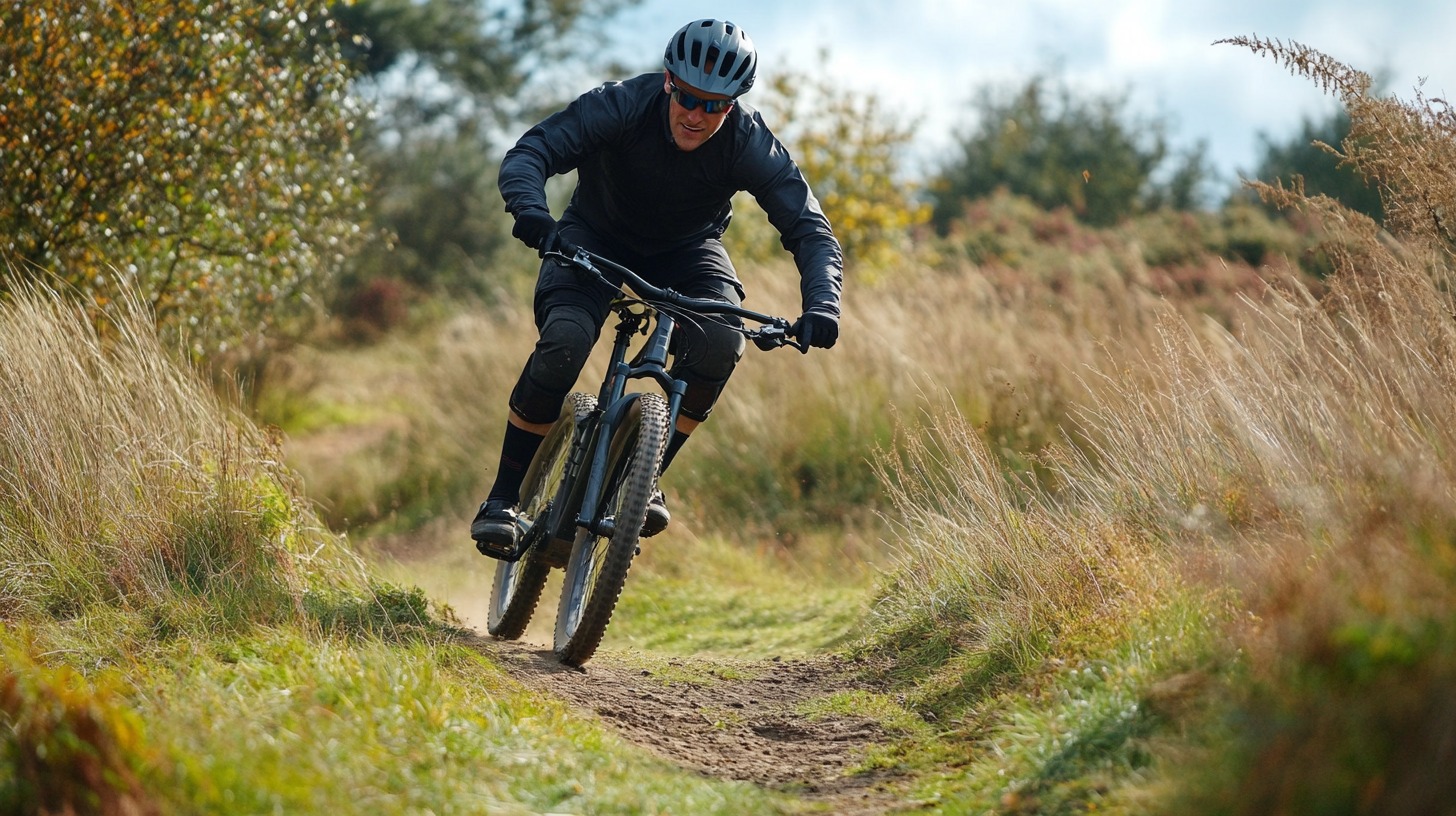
<point x="536" y="229"/>
<point x="816" y="329"/>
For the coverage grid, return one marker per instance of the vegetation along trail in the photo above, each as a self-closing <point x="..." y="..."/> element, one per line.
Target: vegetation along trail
<point x="723" y="660"/>
<point x="1163" y="519"/>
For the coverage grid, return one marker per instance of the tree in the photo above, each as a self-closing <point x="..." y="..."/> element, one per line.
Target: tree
<point x="463" y="59"/>
<point x="195" y="152"/>
<point x="1062" y="148"/>
<point x="449" y="81"/>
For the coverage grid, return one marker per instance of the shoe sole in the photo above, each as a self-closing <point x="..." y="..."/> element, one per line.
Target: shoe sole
<point x="495" y="541"/>
<point x="655" y="523"/>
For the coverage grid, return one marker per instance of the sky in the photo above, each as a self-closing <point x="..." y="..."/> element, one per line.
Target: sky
<point x="926" y="59"/>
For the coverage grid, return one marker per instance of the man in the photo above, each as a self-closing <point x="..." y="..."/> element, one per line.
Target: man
<point x="658" y="160"/>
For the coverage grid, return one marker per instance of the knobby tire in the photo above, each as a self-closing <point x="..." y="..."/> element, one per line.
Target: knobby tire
<point x="597" y="568"/>
<point x="517" y="586"/>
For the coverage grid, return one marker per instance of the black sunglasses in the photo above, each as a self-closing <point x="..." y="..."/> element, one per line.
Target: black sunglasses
<point x="690" y="102"/>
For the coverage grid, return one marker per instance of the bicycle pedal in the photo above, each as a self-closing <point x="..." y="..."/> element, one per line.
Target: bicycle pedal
<point x="510" y="554"/>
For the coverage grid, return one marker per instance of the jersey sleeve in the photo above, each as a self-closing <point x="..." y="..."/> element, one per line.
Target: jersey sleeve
<point x="559" y="144"/>
<point x="776" y="183"/>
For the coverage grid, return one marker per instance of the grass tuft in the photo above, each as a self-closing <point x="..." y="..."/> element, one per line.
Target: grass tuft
<point x="135" y="486"/>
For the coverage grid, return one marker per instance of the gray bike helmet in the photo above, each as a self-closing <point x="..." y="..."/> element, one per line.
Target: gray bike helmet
<point x="714" y="56"/>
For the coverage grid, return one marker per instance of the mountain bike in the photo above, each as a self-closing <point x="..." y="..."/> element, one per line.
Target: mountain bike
<point x="585" y="494"/>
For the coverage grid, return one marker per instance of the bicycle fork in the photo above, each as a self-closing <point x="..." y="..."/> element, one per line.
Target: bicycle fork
<point x="650" y="363"/>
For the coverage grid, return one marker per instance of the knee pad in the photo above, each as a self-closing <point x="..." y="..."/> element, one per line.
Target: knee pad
<point x="566" y="341"/>
<point x="705" y="366"/>
<point x="708" y="352"/>
<point x="698" y="400"/>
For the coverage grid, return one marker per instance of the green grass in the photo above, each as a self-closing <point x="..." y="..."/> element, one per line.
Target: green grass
<point x="282" y="720"/>
<point x="1080" y="732"/>
<point x="690" y="596"/>
<point x="317" y="722"/>
<point x="883" y="709"/>
<point x="181" y="635"/>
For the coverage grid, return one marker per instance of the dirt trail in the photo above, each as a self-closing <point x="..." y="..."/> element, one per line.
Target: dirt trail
<point x="737" y="721"/>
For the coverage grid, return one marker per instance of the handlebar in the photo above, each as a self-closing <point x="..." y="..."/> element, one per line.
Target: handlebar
<point x="771" y="334"/>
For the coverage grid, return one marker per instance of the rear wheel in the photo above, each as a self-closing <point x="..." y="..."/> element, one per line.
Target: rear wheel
<point x="597" y="568"/>
<point x="517" y="586"/>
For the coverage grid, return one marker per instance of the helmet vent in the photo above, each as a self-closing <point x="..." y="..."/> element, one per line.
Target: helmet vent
<point x="746" y="67"/>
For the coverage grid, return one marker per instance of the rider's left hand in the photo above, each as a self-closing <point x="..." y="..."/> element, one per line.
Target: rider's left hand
<point x="816" y="329"/>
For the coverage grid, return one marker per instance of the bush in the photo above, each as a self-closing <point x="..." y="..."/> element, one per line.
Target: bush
<point x="195" y="152"/>
<point x="1060" y="147"/>
<point x="848" y="147"/>
<point x="66" y="746"/>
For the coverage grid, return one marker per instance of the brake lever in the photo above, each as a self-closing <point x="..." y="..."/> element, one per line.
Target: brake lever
<point x="769" y="338"/>
<point x="579" y="259"/>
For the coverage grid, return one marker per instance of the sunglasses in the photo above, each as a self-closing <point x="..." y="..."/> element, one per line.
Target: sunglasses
<point x="690" y="102"/>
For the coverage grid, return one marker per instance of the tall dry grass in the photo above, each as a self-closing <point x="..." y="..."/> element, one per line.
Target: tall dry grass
<point x="1298" y="457"/>
<point x="406" y="431"/>
<point x="125" y="481"/>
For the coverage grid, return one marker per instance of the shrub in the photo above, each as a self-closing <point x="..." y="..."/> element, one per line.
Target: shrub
<point x="1063" y="148"/>
<point x="66" y="745"/>
<point x="195" y="152"/>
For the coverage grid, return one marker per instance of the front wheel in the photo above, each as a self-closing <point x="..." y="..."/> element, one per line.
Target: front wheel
<point x="597" y="568"/>
<point x="517" y="586"/>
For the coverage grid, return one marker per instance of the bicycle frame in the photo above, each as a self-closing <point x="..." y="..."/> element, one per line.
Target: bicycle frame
<point x="652" y="306"/>
<point x="590" y="487"/>
<point x="651" y="363"/>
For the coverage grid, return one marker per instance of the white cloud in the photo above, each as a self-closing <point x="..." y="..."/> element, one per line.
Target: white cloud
<point x="926" y="58"/>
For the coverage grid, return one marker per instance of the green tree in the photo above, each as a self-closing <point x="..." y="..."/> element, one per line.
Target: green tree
<point x="196" y="152"/>
<point x="450" y="80"/>
<point x="1311" y="156"/>
<point x="424" y="61"/>
<point x="442" y="223"/>
<point x="1063" y="148"/>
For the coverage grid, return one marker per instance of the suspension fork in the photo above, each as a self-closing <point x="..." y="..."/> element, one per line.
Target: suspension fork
<point x="650" y="363"/>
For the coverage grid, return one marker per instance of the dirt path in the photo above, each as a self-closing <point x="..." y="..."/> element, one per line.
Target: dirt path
<point x="730" y="721"/>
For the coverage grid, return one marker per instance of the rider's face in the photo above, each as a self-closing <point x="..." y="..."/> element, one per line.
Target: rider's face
<point x="691" y="128"/>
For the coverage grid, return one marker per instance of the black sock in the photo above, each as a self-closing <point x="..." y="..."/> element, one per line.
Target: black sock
<point x="516" y="453"/>
<point x="674" y="444"/>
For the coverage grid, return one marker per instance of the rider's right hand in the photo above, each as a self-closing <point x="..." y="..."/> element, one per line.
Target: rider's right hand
<point x="536" y="229"/>
<point x="816" y="329"/>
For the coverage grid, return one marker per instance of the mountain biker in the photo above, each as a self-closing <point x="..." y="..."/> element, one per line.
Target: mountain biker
<point x="658" y="160"/>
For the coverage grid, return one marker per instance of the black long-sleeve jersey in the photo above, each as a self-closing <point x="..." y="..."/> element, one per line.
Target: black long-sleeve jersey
<point x="635" y="186"/>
